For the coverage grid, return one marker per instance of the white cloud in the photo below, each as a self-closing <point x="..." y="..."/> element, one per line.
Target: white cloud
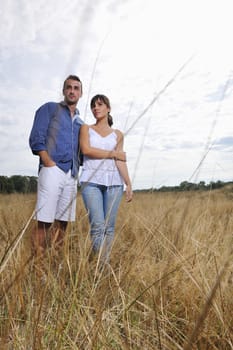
<point x="129" y="51"/>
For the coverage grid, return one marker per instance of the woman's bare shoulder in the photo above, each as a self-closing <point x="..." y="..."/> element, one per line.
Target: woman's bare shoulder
<point x="119" y="133"/>
<point x="85" y="127"/>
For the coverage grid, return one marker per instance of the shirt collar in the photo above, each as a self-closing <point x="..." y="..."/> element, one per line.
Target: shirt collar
<point x="64" y="104"/>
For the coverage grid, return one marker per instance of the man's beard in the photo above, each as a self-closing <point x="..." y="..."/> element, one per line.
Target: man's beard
<point x="70" y="103"/>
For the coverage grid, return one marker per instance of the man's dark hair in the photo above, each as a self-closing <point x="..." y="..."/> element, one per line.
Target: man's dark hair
<point x="73" y="77"/>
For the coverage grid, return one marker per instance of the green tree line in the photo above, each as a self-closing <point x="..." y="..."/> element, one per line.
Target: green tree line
<point x="190" y="186"/>
<point x="18" y="183"/>
<point x="28" y="184"/>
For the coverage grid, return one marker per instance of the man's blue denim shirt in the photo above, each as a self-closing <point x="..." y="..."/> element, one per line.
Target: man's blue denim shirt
<point x="55" y="131"/>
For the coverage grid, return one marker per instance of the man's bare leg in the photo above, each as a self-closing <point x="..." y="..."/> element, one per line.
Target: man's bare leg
<point x="40" y="238"/>
<point x="58" y="233"/>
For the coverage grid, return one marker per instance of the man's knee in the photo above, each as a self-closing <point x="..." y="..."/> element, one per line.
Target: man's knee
<point x="62" y="225"/>
<point x="43" y="225"/>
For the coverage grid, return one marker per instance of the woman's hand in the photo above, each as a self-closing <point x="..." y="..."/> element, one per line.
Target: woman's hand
<point x="128" y="193"/>
<point x="119" y="155"/>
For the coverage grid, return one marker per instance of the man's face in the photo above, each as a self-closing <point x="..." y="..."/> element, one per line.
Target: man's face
<point x="72" y="91"/>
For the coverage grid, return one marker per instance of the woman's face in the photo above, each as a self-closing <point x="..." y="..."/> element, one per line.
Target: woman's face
<point x="100" y="109"/>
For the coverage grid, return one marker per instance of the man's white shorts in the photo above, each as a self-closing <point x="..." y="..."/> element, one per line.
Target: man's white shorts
<point x="56" y="195"/>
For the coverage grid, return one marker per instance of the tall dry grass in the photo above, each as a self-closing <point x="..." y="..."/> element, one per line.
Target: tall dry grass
<point x="168" y="285"/>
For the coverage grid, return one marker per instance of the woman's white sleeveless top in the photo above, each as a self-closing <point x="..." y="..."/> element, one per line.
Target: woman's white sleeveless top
<point x="101" y="171"/>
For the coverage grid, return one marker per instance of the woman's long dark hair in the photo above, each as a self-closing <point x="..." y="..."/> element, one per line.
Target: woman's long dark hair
<point x="106" y="101"/>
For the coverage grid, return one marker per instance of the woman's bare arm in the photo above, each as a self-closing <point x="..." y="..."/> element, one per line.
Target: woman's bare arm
<point x="123" y="169"/>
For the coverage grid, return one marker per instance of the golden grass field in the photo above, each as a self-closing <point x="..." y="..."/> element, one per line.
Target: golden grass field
<point x="169" y="284"/>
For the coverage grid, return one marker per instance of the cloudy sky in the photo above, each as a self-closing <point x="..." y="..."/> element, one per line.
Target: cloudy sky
<point x="166" y="65"/>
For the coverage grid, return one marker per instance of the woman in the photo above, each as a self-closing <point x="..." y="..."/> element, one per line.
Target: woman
<point x="103" y="175"/>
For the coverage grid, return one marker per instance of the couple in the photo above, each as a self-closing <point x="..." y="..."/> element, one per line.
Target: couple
<point x="57" y="136"/>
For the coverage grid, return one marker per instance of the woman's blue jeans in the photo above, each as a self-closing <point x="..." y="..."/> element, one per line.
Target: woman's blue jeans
<point x="102" y="203"/>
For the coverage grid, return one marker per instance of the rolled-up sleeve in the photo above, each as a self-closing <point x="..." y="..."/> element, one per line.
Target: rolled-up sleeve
<point x="38" y="135"/>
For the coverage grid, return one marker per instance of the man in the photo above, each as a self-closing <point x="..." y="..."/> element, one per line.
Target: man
<point x="55" y="138"/>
